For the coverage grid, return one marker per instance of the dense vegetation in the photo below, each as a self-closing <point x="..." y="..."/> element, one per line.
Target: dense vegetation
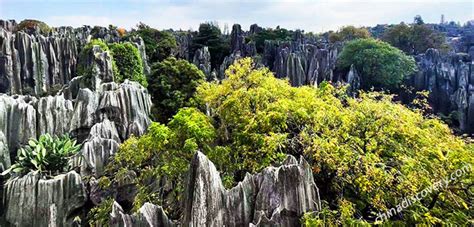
<point x="158" y="44"/>
<point x="210" y="35"/>
<point x="367" y="153"/>
<point x="277" y="34"/>
<point x="126" y="61"/>
<point x="381" y="66"/>
<point x="49" y="155"/>
<point x="415" y="38"/>
<point x="172" y="84"/>
<point x="129" y="63"/>
<point x="348" y="33"/>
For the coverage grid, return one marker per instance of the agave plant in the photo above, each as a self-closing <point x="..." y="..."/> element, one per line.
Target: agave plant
<point x="48" y="154"/>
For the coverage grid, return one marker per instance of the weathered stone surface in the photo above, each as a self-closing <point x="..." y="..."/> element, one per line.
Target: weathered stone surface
<point x="275" y="196"/>
<point x="303" y="64"/>
<point x="149" y="215"/>
<point x="33" y="201"/>
<point x="353" y="79"/>
<point x="202" y="59"/>
<point x="34" y="64"/>
<point x="4" y="154"/>
<point x="450" y="81"/>
<point x="17" y="120"/>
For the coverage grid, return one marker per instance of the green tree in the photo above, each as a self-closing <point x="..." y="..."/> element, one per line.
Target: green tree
<point x="415" y="39"/>
<point x="209" y="35"/>
<point x="172" y="83"/>
<point x="129" y="62"/>
<point x="277" y="34"/>
<point x="349" y="33"/>
<point x="367" y="153"/>
<point x="381" y="66"/>
<point x="158" y="44"/>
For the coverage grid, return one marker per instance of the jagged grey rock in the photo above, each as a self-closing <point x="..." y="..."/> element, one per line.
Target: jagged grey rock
<point x="450" y="81"/>
<point x="276" y="196"/>
<point x="33" y="201"/>
<point x="34" y="64"/>
<point x="353" y="79"/>
<point x="149" y="215"/>
<point x="202" y="59"/>
<point x="4" y="154"/>
<point x="303" y="64"/>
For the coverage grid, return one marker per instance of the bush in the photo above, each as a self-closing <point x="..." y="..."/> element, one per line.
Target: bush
<point x="380" y="65"/>
<point x="164" y="152"/>
<point x="349" y="33"/>
<point x="367" y="153"/>
<point x="129" y="63"/>
<point x="47" y="155"/>
<point x="172" y="83"/>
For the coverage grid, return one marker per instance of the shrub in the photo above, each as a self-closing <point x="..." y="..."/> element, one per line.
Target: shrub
<point x="48" y="154"/>
<point x="129" y="62"/>
<point x="380" y="65"/>
<point x="172" y="83"/>
<point x="366" y="153"/>
<point x="164" y="152"/>
<point x="99" y="215"/>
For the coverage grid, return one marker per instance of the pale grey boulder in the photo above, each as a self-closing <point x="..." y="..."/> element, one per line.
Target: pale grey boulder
<point x="54" y="114"/>
<point x="4" y="154"/>
<point x="54" y="203"/>
<point x="202" y="59"/>
<point x="148" y="215"/>
<point x="276" y="196"/>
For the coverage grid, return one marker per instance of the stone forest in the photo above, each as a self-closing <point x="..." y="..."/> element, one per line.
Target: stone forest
<point x="361" y="126"/>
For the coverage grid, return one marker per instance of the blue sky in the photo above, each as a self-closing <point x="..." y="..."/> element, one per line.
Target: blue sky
<point x="309" y="15"/>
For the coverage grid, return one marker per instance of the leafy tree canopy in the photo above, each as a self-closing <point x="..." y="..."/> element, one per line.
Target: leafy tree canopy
<point x="381" y="66"/>
<point x="348" y="33"/>
<point x="367" y="153"/>
<point x="129" y="62"/>
<point x="209" y="35"/>
<point x="415" y="38"/>
<point x="172" y="83"/>
<point x="158" y="44"/>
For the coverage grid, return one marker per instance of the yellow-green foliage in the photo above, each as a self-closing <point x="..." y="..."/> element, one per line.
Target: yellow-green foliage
<point x="367" y="153"/>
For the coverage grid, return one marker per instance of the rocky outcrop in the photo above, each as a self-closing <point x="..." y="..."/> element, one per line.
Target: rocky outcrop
<point x="303" y="64"/>
<point x="238" y="43"/>
<point x="34" y="64"/>
<point x="8" y="25"/>
<point x="104" y="118"/>
<point x="33" y="201"/>
<point x="148" y="215"/>
<point x="353" y="79"/>
<point x="450" y="81"/>
<point x="5" y="161"/>
<point x="202" y="59"/>
<point x="277" y="196"/>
